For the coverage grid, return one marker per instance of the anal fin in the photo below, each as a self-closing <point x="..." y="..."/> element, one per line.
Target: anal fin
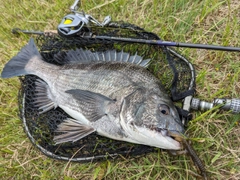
<point x="72" y="130"/>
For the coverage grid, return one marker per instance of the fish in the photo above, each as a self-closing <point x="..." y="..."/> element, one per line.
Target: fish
<point x="110" y="92"/>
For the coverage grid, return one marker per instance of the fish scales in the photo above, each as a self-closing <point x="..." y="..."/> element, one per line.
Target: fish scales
<point x="117" y="99"/>
<point x="104" y="79"/>
<point x="111" y="89"/>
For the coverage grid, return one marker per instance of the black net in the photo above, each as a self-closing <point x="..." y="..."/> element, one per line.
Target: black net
<point x="173" y="70"/>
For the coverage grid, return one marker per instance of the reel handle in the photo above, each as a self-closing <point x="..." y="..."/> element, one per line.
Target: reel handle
<point x="227" y="104"/>
<point x="74" y="7"/>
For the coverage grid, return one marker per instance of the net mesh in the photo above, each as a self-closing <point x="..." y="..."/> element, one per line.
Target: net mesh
<point x="166" y="64"/>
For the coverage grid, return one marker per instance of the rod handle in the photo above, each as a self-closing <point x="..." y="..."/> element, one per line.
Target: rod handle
<point x="227" y="104"/>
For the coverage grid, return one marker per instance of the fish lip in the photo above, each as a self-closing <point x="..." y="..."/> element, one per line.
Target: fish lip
<point x="177" y="136"/>
<point x="173" y="134"/>
<point x="166" y="132"/>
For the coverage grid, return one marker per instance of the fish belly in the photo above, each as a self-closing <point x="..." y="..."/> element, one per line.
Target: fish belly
<point x="75" y="114"/>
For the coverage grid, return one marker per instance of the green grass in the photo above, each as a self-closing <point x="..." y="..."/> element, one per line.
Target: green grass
<point x="215" y="135"/>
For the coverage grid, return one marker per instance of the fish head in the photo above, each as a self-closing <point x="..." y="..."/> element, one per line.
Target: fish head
<point x="152" y="119"/>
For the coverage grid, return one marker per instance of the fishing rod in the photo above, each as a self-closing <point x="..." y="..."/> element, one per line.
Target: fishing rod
<point x="165" y="43"/>
<point x="19" y="31"/>
<point x="141" y="41"/>
<point x="72" y="24"/>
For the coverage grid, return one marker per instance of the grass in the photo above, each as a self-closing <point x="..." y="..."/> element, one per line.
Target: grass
<point x="215" y="134"/>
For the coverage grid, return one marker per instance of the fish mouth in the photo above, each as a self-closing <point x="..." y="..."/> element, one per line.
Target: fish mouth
<point x="172" y="136"/>
<point x="176" y="135"/>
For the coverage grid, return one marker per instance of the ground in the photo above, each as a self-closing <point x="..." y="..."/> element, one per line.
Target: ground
<point x="214" y="134"/>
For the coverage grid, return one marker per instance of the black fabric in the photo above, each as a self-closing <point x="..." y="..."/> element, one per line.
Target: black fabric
<point x="184" y="114"/>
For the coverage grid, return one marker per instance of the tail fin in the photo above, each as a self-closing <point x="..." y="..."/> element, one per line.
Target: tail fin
<point x="16" y="66"/>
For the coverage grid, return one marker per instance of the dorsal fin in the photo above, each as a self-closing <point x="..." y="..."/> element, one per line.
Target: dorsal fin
<point x="75" y="56"/>
<point x="86" y="56"/>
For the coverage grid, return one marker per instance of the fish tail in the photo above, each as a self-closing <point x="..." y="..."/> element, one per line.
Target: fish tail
<point x="17" y="65"/>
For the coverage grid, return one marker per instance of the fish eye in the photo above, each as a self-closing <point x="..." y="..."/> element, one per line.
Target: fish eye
<point x="164" y="109"/>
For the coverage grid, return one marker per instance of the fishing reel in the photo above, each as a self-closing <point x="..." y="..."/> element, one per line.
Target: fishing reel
<point x="71" y="24"/>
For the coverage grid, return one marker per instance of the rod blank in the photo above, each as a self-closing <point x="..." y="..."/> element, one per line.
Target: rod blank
<point x="167" y="43"/>
<point x="18" y="31"/>
<point x="143" y="41"/>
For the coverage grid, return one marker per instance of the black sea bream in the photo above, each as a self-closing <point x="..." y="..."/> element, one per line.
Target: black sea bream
<point x="108" y="92"/>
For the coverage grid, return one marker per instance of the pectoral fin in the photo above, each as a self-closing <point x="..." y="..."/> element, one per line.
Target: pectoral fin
<point x="95" y="105"/>
<point x="44" y="97"/>
<point x="72" y="130"/>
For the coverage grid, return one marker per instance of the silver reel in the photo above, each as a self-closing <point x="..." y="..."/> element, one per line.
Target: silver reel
<point x="71" y="24"/>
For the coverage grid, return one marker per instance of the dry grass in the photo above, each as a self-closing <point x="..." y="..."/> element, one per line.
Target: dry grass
<point x="215" y="134"/>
